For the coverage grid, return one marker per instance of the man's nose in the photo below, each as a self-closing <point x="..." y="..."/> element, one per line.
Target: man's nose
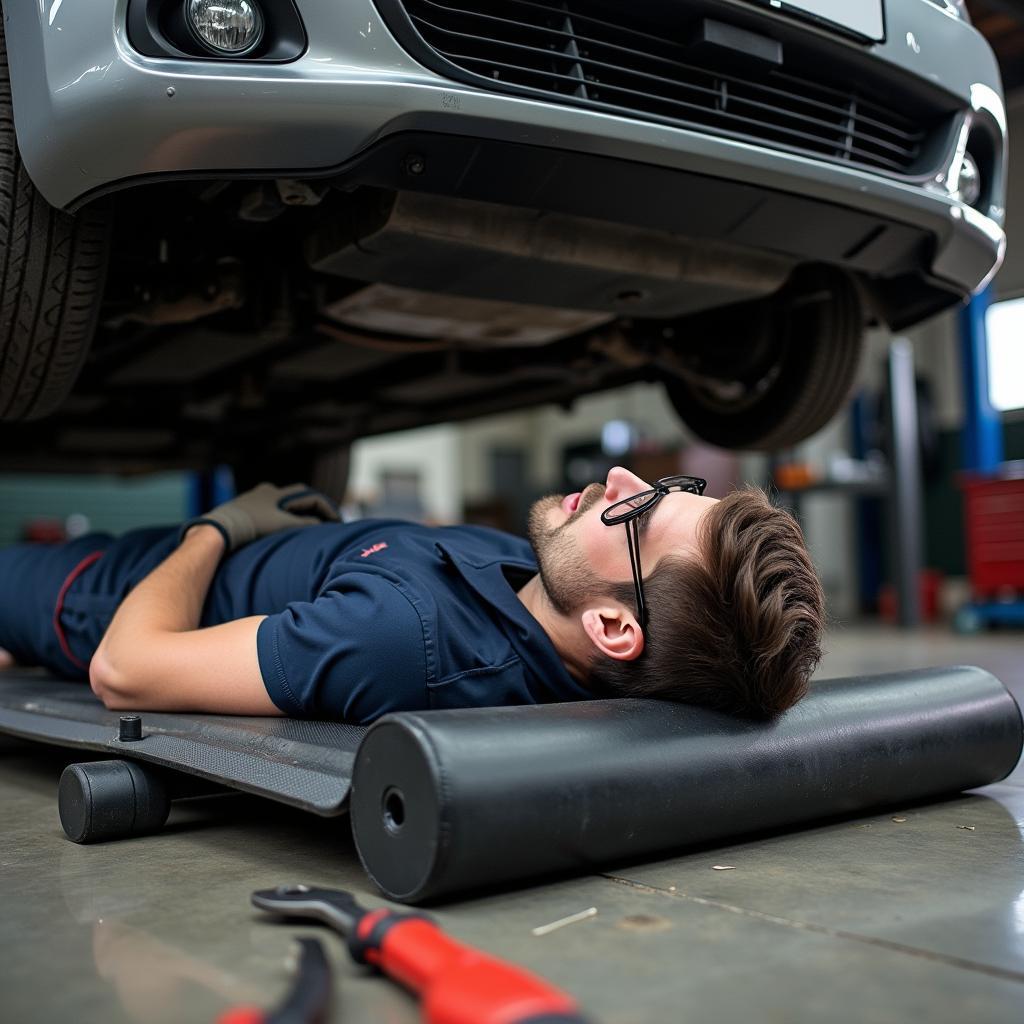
<point x="623" y="484"/>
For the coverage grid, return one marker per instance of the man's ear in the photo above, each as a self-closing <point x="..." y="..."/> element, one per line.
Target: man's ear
<point x="614" y="632"/>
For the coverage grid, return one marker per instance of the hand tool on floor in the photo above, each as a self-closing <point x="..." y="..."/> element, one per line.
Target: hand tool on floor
<point x="456" y="983"/>
<point x="308" y="1000"/>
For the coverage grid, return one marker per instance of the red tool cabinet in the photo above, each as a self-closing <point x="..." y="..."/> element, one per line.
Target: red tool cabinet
<point x="994" y="530"/>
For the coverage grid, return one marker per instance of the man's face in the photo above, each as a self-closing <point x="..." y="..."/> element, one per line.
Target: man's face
<point x="578" y="554"/>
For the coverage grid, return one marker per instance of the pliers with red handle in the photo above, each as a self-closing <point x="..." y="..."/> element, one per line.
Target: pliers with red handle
<point x="455" y="983"/>
<point x="308" y="1001"/>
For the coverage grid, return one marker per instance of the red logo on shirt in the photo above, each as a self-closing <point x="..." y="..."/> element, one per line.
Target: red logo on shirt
<point x="379" y="546"/>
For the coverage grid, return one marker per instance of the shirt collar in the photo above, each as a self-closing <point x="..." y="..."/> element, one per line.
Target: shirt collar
<point x="527" y="635"/>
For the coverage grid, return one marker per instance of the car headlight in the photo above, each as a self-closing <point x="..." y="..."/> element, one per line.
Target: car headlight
<point x="229" y="28"/>
<point x="969" y="182"/>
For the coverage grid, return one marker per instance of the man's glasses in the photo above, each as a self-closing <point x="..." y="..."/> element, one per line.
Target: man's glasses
<point x="630" y="512"/>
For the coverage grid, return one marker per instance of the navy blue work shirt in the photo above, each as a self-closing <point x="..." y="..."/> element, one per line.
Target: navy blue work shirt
<point x="375" y="616"/>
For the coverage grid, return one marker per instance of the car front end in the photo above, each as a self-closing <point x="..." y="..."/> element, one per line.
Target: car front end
<point x="102" y="104"/>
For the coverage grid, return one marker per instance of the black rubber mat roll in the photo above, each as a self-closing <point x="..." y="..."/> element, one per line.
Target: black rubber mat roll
<point x="445" y="801"/>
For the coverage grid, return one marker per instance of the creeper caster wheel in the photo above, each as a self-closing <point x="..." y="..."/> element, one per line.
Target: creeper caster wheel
<point x="101" y="800"/>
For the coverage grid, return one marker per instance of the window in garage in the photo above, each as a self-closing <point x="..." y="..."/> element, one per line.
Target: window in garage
<point x="1005" y="328"/>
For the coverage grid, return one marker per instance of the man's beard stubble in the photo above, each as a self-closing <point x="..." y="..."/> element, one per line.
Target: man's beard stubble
<point x="566" y="577"/>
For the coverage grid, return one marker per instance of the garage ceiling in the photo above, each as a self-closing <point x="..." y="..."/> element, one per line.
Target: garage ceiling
<point x="1002" y="23"/>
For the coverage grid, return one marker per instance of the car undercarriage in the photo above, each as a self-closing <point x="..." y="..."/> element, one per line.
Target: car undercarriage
<point x="429" y="240"/>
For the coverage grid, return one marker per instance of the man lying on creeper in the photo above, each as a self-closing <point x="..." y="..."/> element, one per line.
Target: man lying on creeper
<point x="268" y="605"/>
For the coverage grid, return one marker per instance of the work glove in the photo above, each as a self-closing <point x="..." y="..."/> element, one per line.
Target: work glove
<point x="266" y="509"/>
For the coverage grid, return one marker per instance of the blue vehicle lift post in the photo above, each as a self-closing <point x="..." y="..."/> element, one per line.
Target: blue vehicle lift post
<point x="983" y="426"/>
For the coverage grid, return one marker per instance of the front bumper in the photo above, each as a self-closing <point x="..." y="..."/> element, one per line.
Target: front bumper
<point x="93" y="115"/>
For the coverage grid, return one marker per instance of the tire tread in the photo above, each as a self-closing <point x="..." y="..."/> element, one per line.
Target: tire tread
<point x="815" y="382"/>
<point x="52" y="275"/>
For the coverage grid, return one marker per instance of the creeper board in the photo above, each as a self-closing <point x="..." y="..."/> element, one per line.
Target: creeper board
<point x="305" y="763"/>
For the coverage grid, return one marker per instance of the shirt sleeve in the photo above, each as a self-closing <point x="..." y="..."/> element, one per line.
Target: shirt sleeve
<point x="353" y="653"/>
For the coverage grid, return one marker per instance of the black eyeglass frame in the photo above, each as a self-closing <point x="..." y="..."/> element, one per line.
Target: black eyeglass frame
<point x="628" y="512"/>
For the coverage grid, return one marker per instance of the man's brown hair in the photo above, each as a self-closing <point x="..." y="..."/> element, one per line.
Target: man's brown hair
<point x="739" y="628"/>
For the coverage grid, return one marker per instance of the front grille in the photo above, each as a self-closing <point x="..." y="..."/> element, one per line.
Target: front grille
<point x="584" y="53"/>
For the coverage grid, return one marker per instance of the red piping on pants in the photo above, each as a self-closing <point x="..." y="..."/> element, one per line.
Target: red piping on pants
<point x="59" y="607"/>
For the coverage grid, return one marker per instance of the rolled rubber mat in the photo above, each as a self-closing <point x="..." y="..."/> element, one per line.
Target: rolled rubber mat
<point x="304" y="763"/>
<point x="446" y="801"/>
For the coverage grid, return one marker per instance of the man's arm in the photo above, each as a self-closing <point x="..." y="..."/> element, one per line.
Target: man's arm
<point x="153" y="657"/>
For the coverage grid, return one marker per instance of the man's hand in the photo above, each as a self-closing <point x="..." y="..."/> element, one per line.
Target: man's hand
<point x="267" y="509"/>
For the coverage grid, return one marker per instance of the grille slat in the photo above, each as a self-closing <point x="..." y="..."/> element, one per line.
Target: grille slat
<point x="840" y="106"/>
<point x="571" y="52"/>
<point x="792" y="135"/>
<point x="839" y="128"/>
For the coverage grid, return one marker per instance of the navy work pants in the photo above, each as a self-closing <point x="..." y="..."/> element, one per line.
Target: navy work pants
<point x="56" y="600"/>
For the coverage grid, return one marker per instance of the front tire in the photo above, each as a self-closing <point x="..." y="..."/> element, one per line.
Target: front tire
<point x="815" y="333"/>
<point x="52" y="271"/>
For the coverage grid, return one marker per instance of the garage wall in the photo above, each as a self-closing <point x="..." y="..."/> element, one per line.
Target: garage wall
<point x="110" y="504"/>
<point x="544" y="433"/>
<point x="828" y="523"/>
<point x="431" y="454"/>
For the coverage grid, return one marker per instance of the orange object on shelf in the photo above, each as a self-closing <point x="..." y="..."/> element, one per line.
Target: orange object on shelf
<point x="795" y="476"/>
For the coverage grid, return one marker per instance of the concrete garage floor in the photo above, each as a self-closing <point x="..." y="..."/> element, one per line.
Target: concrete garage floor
<point x="874" y="919"/>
